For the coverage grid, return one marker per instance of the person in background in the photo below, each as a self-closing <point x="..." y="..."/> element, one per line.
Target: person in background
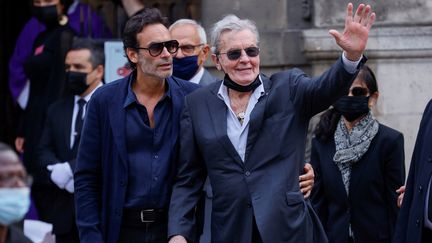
<point x="82" y="19"/>
<point x="414" y="224"/>
<point x="57" y="150"/>
<point x="247" y="133"/>
<point x="126" y="157"/>
<point x="14" y="196"/>
<point x="193" y="52"/>
<point x="45" y="70"/>
<point x="359" y="163"/>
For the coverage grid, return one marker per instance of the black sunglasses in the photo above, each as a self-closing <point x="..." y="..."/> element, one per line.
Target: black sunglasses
<point x="359" y="91"/>
<point x="236" y="53"/>
<point x="155" y="49"/>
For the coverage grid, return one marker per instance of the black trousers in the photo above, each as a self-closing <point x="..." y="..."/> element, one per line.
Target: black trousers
<point x="156" y="232"/>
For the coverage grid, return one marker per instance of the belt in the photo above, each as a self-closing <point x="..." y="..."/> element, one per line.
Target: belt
<point x="137" y="217"/>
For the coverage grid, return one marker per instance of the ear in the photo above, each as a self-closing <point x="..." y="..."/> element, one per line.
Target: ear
<point x="205" y="51"/>
<point x="100" y="71"/>
<point x="216" y="61"/>
<point x="132" y="54"/>
<point x="373" y="99"/>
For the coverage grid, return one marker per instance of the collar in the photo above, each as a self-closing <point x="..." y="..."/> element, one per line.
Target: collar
<point x="131" y="97"/>
<point x="197" y="77"/>
<point x="88" y="96"/>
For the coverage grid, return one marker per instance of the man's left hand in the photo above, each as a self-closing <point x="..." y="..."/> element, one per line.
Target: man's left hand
<point x="354" y="38"/>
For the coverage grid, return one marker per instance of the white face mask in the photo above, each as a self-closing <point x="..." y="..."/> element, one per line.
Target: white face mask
<point x="14" y="204"/>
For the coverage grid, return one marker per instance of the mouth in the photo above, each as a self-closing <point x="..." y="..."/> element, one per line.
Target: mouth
<point x="165" y="65"/>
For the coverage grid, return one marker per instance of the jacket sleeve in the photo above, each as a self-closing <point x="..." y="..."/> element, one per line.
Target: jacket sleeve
<point x="313" y="95"/>
<point x="188" y="183"/>
<point x="45" y="151"/>
<point x="394" y="177"/>
<point x="88" y="177"/>
<point x="404" y="213"/>
<point x="318" y="197"/>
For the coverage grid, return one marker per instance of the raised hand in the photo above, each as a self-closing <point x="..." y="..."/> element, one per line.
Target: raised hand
<point x="355" y="35"/>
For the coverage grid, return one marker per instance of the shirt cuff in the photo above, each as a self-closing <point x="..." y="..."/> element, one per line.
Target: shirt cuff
<point x="350" y="66"/>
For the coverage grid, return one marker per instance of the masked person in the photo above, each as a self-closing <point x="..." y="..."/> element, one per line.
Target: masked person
<point x="82" y="18"/>
<point x="359" y="164"/>
<point x="58" y="146"/>
<point x="46" y="74"/>
<point x="14" y="196"/>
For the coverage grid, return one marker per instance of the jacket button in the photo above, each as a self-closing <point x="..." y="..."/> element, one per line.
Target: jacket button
<point x="420" y="188"/>
<point x="429" y="159"/>
<point x="417" y="222"/>
<point x="122" y="183"/>
<point x="249" y="204"/>
<point x="247" y="173"/>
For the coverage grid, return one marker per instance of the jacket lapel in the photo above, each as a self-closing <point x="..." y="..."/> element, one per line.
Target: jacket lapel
<point x="117" y="116"/>
<point x="68" y="116"/>
<point x="257" y="117"/>
<point x="218" y="111"/>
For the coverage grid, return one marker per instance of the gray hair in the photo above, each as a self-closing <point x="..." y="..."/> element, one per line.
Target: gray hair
<point x="230" y="23"/>
<point x="199" y="28"/>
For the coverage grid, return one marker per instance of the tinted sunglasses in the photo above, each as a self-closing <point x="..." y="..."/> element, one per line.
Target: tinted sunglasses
<point x="359" y="91"/>
<point x="236" y="53"/>
<point x="155" y="49"/>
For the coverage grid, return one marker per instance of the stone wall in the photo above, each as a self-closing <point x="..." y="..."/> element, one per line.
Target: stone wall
<point x="295" y="33"/>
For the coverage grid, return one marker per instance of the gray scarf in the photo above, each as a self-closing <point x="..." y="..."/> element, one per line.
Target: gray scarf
<point x="350" y="147"/>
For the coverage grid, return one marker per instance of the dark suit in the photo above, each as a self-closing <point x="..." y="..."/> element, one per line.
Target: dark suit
<point x="371" y="205"/>
<point x="207" y="78"/>
<point x="265" y="186"/>
<point x="410" y="222"/>
<point x="101" y="173"/>
<point x="54" y="147"/>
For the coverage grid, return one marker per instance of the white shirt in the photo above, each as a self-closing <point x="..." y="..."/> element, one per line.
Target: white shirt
<point x="75" y="112"/>
<point x="197" y="77"/>
<point x="238" y="133"/>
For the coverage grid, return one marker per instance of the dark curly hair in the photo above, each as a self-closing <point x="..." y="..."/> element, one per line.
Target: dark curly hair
<point x="136" y="24"/>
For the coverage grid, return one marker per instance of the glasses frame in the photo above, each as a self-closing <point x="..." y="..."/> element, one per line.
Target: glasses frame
<point x="163" y="44"/>
<point x="235" y="54"/>
<point x="359" y="91"/>
<point x="192" y="46"/>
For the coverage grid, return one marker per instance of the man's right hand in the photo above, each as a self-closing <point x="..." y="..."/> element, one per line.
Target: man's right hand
<point x="19" y="144"/>
<point x="177" y="239"/>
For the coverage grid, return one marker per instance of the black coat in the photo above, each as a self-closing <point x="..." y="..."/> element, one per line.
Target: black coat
<point x="410" y="222"/>
<point x="54" y="147"/>
<point x="371" y="206"/>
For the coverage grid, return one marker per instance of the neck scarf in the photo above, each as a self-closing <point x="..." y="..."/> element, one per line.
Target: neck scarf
<point x="350" y="147"/>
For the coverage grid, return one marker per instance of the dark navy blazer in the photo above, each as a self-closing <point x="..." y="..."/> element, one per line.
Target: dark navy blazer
<point x="410" y="222"/>
<point x="265" y="185"/>
<point x="101" y="173"/>
<point x="371" y="205"/>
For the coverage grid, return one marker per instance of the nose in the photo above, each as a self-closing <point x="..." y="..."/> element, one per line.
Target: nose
<point x="165" y="52"/>
<point x="244" y="57"/>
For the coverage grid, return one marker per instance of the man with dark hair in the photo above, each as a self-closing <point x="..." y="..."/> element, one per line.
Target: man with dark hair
<point x="125" y="164"/>
<point x="60" y="138"/>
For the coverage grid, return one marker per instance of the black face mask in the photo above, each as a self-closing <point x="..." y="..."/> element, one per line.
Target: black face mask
<point x="240" y="88"/>
<point x="352" y="107"/>
<point x="76" y="82"/>
<point x="46" y="15"/>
